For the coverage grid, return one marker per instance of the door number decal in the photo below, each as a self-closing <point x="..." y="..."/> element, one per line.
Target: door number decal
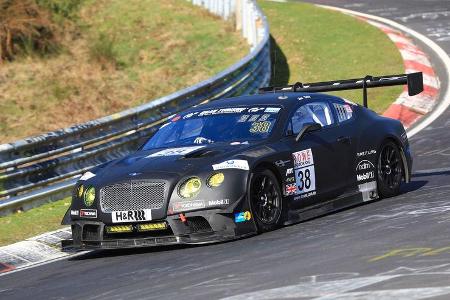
<point x="305" y="176"/>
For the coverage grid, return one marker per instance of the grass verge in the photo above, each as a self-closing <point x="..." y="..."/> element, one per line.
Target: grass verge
<point x="316" y="44"/>
<point x="20" y="226"/>
<point x="114" y="55"/>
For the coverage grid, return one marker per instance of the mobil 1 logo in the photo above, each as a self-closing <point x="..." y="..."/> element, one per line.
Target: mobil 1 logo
<point x="305" y="177"/>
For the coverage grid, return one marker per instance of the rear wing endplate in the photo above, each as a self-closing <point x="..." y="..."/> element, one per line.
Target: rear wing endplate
<point x="414" y="81"/>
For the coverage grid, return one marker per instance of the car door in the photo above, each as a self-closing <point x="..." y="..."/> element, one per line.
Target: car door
<point x="319" y="157"/>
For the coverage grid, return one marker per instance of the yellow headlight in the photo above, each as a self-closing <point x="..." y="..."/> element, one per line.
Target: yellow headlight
<point x="190" y="187"/>
<point x="89" y="196"/>
<point x="216" y="180"/>
<point x="80" y="191"/>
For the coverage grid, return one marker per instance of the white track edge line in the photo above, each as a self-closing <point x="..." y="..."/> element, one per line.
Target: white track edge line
<point x="445" y="96"/>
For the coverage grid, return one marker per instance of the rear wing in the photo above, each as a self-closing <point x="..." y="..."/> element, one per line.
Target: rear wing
<point x="413" y="80"/>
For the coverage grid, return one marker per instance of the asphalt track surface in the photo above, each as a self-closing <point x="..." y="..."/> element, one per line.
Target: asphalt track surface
<point x="397" y="248"/>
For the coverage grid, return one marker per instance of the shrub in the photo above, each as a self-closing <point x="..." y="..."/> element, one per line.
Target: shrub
<point x="102" y="50"/>
<point x="61" y="8"/>
<point x="24" y="27"/>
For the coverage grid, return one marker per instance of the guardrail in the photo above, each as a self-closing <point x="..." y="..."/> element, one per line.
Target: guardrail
<point x="45" y="167"/>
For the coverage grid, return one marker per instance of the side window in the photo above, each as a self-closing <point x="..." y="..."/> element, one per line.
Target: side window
<point x="344" y="111"/>
<point x="315" y="112"/>
<point x="192" y="128"/>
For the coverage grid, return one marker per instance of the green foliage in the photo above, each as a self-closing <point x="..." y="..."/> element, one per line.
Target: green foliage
<point x="102" y="50"/>
<point x="62" y="8"/>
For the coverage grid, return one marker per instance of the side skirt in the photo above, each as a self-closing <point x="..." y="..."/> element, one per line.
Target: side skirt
<point x="367" y="192"/>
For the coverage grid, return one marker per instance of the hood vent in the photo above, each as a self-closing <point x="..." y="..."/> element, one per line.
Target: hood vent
<point x="202" y="153"/>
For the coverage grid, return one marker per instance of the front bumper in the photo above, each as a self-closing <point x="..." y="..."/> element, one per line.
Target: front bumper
<point x="196" y="228"/>
<point x="71" y="245"/>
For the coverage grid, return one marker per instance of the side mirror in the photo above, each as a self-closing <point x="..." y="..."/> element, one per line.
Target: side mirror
<point x="307" y="127"/>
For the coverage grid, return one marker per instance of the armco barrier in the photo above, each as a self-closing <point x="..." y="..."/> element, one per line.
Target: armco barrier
<point x="42" y="168"/>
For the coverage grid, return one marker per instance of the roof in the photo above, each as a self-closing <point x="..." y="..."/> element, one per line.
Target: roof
<point x="283" y="99"/>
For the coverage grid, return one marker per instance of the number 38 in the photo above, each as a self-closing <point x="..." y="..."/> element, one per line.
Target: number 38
<point x="304" y="179"/>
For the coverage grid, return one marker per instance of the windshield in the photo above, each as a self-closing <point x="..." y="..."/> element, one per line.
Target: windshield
<point x="233" y="124"/>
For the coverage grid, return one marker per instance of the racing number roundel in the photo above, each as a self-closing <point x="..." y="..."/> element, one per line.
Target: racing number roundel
<point x="305" y="176"/>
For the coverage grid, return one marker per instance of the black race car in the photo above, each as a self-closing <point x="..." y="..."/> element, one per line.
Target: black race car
<point x="240" y="166"/>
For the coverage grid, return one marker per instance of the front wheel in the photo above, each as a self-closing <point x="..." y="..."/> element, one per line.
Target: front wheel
<point x="266" y="200"/>
<point x="389" y="170"/>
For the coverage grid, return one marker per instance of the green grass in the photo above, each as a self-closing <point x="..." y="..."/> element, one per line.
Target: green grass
<point x="20" y="226"/>
<point x="114" y="54"/>
<point x="321" y="45"/>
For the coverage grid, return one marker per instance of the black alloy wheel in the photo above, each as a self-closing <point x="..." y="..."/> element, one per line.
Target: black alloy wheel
<point x="266" y="200"/>
<point x="389" y="170"/>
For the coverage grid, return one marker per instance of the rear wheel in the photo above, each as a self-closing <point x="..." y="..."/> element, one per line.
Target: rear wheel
<point x="389" y="170"/>
<point x="266" y="200"/>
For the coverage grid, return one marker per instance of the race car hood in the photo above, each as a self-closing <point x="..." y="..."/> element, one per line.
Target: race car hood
<point x="172" y="162"/>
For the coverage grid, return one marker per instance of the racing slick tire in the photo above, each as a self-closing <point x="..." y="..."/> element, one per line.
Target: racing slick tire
<point x="266" y="200"/>
<point x="389" y="170"/>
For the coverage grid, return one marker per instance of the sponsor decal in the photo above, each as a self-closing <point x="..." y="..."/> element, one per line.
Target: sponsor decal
<point x="364" y="165"/>
<point x="232" y="164"/>
<point x="87" y="175"/>
<point x="74" y="212"/>
<point x="255" y="109"/>
<point x="290" y="179"/>
<point x="243" y="118"/>
<point x="281" y="163"/>
<point x="264" y="117"/>
<point x="242" y="216"/>
<point x="253" y="118"/>
<point x="231" y="110"/>
<point x="131" y="216"/>
<point x="175" y="118"/>
<point x="175" y="151"/>
<point x="218" y="202"/>
<point x="303" y="97"/>
<point x="348" y="108"/>
<point x="303" y="158"/>
<point x="365" y="153"/>
<point x="188" y="205"/>
<point x="88" y="213"/>
<point x="289" y="171"/>
<point x="291" y="189"/>
<point x="307" y="195"/>
<point x="304" y="171"/>
<point x="368" y="190"/>
<point x="190" y="115"/>
<point x="365" y="176"/>
<point x="202" y="140"/>
<point x="272" y="110"/>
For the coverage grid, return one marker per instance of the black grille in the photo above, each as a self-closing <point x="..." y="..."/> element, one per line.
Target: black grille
<point x="133" y="195"/>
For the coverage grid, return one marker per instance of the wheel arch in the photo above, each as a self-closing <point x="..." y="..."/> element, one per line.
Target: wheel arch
<point x="398" y="143"/>
<point x="270" y="166"/>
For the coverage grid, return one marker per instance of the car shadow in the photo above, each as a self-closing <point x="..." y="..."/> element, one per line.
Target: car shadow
<point x="109" y="253"/>
<point x="280" y="67"/>
<point x="412" y="186"/>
